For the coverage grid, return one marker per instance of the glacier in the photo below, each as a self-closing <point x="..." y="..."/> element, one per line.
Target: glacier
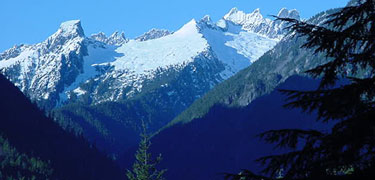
<point x="177" y="48"/>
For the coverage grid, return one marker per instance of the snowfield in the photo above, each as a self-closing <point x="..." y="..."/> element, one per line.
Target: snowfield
<point x="56" y="68"/>
<point x="177" y="48"/>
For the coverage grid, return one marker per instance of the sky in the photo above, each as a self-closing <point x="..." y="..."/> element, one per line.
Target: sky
<point x="32" y="21"/>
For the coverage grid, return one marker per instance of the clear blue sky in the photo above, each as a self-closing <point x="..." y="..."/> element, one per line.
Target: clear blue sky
<point x="32" y="21"/>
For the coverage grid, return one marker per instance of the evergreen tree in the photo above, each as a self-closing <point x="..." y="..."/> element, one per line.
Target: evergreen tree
<point x="347" y="150"/>
<point x="144" y="168"/>
<point x="15" y="165"/>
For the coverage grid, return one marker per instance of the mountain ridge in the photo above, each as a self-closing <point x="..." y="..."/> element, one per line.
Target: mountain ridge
<point x="28" y="130"/>
<point x="271" y="69"/>
<point x="52" y="71"/>
<point x="224" y="140"/>
<point x="159" y="77"/>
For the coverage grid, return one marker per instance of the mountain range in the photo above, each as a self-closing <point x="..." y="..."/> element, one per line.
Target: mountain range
<point x="204" y="90"/>
<point x="220" y="129"/>
<point x="104" y="87"/>
<point x="56" y="70"/>
<point x="287" y="58"/>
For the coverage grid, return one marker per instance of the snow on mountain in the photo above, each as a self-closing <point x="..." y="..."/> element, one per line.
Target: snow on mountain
<point x="232" y="44"/>
<point x="68" y="64"/>
<point x="116" y="38"/>
<point x="12" y="53"/>
<point x="153" y="34"/>
<point x="98" y="55"/>
<point x="43" y="69"/>
<point x="69" y="29"/>
<point x="101" y="37"/>
<point x="246" y="20"/>
<point x="143" y="60"/>
<point x="138" y="61"/>
<point x="178" y="48"/>
<point x="256" y="23"/>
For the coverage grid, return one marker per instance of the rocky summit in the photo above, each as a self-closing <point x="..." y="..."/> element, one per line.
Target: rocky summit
<point x="68" y="64"/>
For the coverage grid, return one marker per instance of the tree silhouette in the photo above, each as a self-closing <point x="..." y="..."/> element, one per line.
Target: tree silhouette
<point x="347" y="151"/>
<point x="144" y="168"/>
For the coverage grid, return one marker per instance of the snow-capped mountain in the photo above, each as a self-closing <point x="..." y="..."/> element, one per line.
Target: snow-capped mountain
<point x="286" y="59"/>
<point x="255" y="22"/>
<point x="104" y="86"/>
<point x="153" y="34"/>
<point x="43" y="69"/>
<point x="116" y="38"/>
<point x="69" y="65"/>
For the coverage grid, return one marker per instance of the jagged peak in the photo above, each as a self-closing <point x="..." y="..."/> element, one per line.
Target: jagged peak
<point x="157" y="30"/>
<point x="116" y="38"/>
<point x="285" y="13"/>
<point x="206" y="21"/>
<point x="239" y="17"/>
<point x="235" y="11"/>
<point x="117" y="34"/>
<point x="70" y="24"/>
<point x="99" y="33"/>
<point x="256" y="11"/>
<point x="68" y="30"/>
<point x="294" y="14"/>
<point x="71" y="27"/>
<point x="101" y="37"/>
<point x="154" y="33"/>
<point x="256" y="14"/>
<point x="255" y="22"/>
<point x="164" y="32"/>
<point x="232" y="11"/>
<point x="206" y="18"/>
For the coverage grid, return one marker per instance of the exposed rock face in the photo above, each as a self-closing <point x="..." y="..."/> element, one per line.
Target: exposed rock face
<point x="42" y="70"/>
<point x="69" y="65"/>
<point x="256" y="23"/>
<point x="285" y="59"/>
<point x="116" y="38"/>
<point x="105" y="86"/>
<point x="153" y="34"/>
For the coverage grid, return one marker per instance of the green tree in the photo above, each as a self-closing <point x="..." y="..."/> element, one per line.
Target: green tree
<point x="144" y="167"/>
<point x="347" y="150"/>
<point x="15" y="165"/>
